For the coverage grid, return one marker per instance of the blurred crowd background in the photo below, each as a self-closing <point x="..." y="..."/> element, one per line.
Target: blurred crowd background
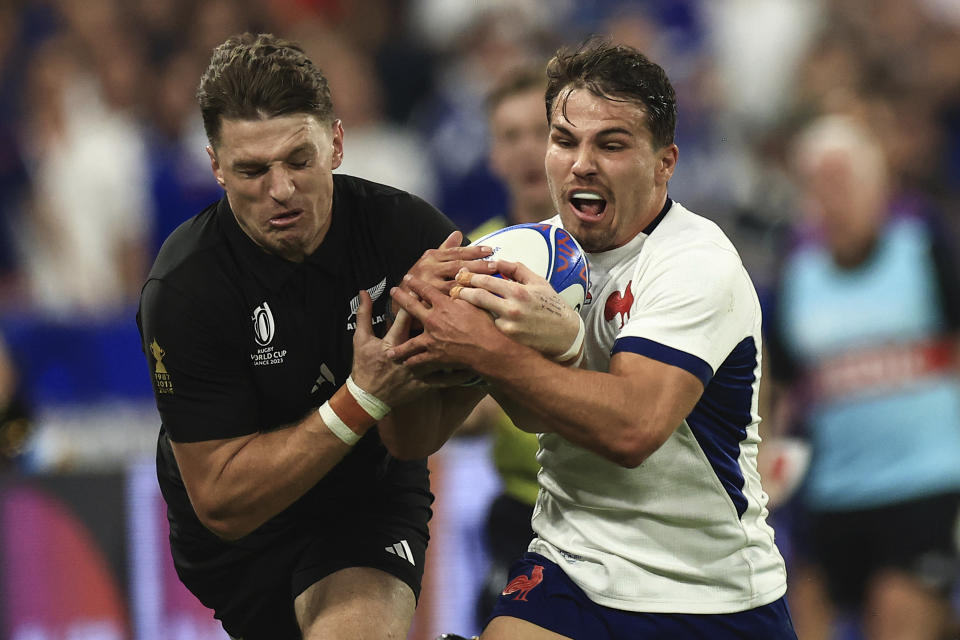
<point x="102" y="156"/>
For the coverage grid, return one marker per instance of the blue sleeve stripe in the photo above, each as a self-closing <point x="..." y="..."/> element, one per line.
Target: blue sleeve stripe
<point x="665" y="354"/>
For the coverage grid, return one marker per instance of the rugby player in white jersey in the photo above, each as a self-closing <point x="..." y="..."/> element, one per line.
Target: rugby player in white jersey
<point x="650" y="519"/>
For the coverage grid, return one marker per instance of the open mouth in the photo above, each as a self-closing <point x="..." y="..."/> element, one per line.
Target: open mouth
<point x="286" y="217"/>
<point x="588" y="202"/>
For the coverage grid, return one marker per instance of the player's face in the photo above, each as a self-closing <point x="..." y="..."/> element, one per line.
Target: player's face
<point x="277" y="173"/>
<point x="518" y="131"/>
<point x="607" y="180"/>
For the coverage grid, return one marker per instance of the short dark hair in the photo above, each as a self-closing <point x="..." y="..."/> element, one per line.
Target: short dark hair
<point x="619" y="73"/>
<point x="260" y="76"/>
<point x="515" y="81"/>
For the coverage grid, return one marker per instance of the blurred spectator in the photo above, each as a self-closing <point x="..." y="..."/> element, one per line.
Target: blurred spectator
<point x="517" y="122"/>
<point x="160" y="24"/>
<point x="445" y="22"/>
<point x="757" y="46"/>
<point x="180" y="179"/>
<point x="85" y="240"/>
<point x="864" y="335"/>
<point x="902" y="55"/>
<point x="378" y="150"/>
<point x="213" y="21"/>
<point x="500" y="38"/>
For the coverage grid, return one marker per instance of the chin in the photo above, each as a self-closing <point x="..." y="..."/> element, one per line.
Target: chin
<point x="597" y="239"/>
<point x="289" y="249"/>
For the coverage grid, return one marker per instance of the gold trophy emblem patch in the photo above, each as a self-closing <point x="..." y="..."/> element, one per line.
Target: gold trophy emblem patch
<point x="161" y="378"/>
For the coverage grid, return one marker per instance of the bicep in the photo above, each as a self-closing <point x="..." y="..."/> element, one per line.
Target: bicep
<point x="669" y="392"/>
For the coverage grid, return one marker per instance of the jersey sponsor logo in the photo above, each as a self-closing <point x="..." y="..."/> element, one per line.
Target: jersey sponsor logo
<point x="619" y="305"/>
<point x="375" y="292"/>
<point x="401" y="549"/>
<point x="263" y="324"/>
<point x="521" y="585"/>
<point x="161" y="377"/>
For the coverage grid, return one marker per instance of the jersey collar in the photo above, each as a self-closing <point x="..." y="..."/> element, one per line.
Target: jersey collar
<point x="270" y="270"/>
<point x="331" y="253"/>
<point x="663" y="212"/>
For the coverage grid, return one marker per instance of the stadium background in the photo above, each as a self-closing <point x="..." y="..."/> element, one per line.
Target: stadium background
<point x="102" y="155"/>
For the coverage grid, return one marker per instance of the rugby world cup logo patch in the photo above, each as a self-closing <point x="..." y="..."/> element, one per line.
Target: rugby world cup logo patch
<point x="263" y="324"/>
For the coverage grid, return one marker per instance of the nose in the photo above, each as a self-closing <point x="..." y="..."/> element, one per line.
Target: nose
<point x="281" y="185"/>
<point x="585" y="162"/>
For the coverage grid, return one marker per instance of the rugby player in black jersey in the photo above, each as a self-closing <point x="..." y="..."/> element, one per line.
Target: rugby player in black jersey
<point x="292" y="510"/>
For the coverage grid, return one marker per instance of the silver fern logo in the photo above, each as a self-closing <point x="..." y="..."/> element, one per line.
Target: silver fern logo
<point x="262" y="324"/>
<point x="375" y="292"/>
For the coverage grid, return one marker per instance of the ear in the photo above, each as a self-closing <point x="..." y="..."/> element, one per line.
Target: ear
<point x="666" y="162"/>
<point x="337" y="154"/>
<point x="215" y="166"/>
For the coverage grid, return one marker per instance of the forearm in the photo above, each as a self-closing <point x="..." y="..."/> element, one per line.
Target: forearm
<point x="623" y="415"/>
<point x="611" y="415"/>
<point x="419" y="428"/>
<point x="271" y="471"/>
<point x="237" y="484"/>
<point x="522" y="417"/>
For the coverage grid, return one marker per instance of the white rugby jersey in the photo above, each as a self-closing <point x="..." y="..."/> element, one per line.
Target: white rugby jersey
<point x="685" y="532"/>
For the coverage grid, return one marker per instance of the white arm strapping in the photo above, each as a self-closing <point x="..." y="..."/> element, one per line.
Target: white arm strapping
<point x="370" y="403"/>
<point x="338" y="426"/>
<point x="574" y="349"/>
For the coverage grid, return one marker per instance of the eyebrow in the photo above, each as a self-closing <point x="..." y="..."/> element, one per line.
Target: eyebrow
<point x="605" y="132"/>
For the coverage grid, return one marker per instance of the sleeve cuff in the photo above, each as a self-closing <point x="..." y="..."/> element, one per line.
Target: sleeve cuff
<point x="668" y="355"/>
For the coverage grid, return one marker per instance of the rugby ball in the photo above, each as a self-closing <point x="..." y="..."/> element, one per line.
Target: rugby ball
<point x="548" y="251"/>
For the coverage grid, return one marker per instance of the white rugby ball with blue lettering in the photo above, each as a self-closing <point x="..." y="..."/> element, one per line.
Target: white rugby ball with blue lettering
<point x="548" y="251"/>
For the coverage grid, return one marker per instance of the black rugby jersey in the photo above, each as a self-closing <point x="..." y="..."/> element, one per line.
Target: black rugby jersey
<point x="239" y="340"/>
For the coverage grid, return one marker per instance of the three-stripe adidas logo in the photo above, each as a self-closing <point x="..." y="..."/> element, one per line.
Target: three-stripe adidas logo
<point x="401" y="549"/>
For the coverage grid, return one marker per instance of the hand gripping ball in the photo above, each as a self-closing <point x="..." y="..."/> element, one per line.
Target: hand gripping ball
<point x="548" y="251"/>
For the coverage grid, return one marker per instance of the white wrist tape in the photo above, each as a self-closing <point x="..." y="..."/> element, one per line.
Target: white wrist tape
<point x="574" y="349"/>
<point x="576" y="363"/>
<point x="338" y="426"/>
<point x="370" y="403"/>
